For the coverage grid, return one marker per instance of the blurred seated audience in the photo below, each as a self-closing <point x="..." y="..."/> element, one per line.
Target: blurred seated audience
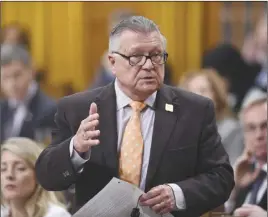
<point x="250" y="169"/>
<point x="21" y="195"/>
<point x="208" y="83"/>
<point x="104" y="75"/>
<point x="227" y="60"/>
<point x="25" y="110"/>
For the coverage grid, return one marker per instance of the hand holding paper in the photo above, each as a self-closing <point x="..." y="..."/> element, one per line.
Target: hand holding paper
<point x="116" y="199"/>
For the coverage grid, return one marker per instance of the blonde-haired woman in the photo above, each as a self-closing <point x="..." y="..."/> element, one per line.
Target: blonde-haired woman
<point x="21" y="195"/>
<point x="208" y="83"/>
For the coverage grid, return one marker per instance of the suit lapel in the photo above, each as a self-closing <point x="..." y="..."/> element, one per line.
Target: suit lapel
<point x="163" y="127"/>
<point x="106" y="102"/>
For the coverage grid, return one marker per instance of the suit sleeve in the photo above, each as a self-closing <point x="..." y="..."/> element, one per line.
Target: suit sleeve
<point x="54" y="168"/>
<point x="214" y="181"/>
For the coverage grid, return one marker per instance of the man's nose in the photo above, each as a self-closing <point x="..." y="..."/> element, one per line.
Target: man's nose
<point x="148" y="64"/>
<point x="260" y="133"/>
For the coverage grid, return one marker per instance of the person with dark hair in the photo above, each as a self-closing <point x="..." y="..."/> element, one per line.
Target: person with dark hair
<point x="229" y="63"/>
<point x="15" y="34"/>
<point x="25" y="110"/>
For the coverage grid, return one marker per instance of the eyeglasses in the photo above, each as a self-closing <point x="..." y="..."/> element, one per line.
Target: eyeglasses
<point x="140" y="60"/>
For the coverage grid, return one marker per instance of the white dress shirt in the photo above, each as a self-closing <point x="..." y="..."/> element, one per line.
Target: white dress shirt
<point x="21" y="113"/>
<point x="124" y="112"/>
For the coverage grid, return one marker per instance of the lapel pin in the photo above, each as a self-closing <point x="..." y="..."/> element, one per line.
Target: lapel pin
<point x="169" y="107"/>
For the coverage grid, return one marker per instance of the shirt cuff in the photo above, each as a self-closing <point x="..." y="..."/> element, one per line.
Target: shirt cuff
<point x="229" y="206"/>
<point x="179" y="197"/>
<point x="76" y="159"/>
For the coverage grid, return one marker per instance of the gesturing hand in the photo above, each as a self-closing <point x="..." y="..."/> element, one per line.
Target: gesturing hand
<point x="86" y="134"/>
<point x="244" y="174"/>
<point x="160" y="199"/>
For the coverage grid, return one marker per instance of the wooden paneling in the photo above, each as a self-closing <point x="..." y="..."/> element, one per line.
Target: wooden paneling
<point x="211" y="25"/>
<point x="69" y="38"/>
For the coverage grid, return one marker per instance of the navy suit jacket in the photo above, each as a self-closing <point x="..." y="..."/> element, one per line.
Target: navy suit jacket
<point x="41" y="115"/>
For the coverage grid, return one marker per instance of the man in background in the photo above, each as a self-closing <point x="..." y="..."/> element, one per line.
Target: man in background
<point x="25" y="110"/>
<point x="251" y="167"/>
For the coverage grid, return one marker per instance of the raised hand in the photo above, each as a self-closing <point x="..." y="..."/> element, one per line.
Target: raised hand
<point x="86" y="135"/>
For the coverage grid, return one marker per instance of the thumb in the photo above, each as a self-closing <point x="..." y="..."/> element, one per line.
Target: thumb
<point x="256" y="173"/>
<point x="93" y="108"/>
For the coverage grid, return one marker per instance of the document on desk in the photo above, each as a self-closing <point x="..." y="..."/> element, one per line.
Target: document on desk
<point x="116" y="199"/>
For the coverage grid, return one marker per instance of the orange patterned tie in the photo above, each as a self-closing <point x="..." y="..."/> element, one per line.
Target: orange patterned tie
<point x="130" y="162"/>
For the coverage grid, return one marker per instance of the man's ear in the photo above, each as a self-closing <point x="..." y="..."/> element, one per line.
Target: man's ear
<point x="112" y="62"/>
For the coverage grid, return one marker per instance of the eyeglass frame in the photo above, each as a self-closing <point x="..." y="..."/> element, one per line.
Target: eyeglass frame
<point x="165" y="56"/>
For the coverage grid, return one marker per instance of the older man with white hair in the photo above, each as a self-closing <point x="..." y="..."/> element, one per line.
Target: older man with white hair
<point x="249" y="197"/>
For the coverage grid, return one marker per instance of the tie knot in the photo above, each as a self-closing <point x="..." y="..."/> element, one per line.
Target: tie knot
<point x="137" y="106"/>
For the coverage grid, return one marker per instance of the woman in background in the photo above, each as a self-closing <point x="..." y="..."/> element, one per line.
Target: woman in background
<point x="208" y="83"/>
<point x="21" y="195"/>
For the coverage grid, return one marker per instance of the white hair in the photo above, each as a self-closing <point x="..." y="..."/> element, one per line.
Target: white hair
<point x="254" y="97"/>
<point x="138" y="24"/>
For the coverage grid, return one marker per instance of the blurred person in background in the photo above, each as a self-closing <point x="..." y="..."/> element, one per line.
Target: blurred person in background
<point x="239" y="75"/>
<point x="25" y="110"/>
<point x="208" y="83"/>
<point x="255" y="51"/>
<point x="251" y="167"/>
<point x="16" y="34"/>
<point x="21" y="195"/>
<point x="104" y="74"/>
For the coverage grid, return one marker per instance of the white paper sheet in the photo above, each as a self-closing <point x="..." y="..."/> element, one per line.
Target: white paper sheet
<point x="116" y="199"/>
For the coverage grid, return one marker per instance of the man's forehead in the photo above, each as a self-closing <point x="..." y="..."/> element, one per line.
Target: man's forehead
<point x="14" y="64"/>
<point x="259" y="109"/>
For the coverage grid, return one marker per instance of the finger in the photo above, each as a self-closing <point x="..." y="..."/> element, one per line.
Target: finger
<point x="164" y="211"/>
<point x="92" y="117"/>
<point x="256" y="172"/>
<point x="152" y="201"/>
<point x="90" y="142"/>
<point x="248" y="206"/>
<point x="242" y="212"/>
<point x="150" y="194"/>
<point x="93" y="108"/>
<point x="159" y="207"/>
<point x="90" y="125"/>
<point x="93" y="134"/>
<point x="93" y="142"/>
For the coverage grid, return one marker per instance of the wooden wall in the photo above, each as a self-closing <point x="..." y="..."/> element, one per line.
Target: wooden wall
<point x="68" y="38"/>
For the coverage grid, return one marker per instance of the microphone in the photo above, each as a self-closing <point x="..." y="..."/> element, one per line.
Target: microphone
<point x="136" y="211"/>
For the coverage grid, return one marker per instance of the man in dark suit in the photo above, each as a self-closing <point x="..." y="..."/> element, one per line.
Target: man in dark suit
<point x="251" y="168"/>
<point x="157" y="137"/>
<point x="25" y="111"/>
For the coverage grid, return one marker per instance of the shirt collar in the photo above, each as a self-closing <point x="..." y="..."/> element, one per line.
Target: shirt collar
<point x="123" y="100"/>
<point x="264" y="167"/>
